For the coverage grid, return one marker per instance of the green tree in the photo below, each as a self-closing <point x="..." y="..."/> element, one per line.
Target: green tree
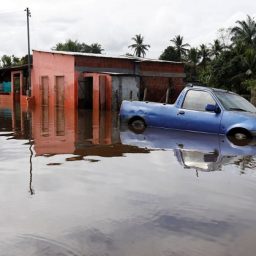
<point x="6" y="61"/>
<point x="139" y="47"/>
<point x="75" y="46"/>
<point x="249" y="62"/>
<point x="24" y="60"/>
<point x="245" y="32"/>
<point x="169" y="54"/>
<point x="96" y="48"/>
<point x="216" y="48"/>
<point x="69" y="45"/>
<point x="204" y="54"/>
<point x="12" y="60"/>
<point x="191" y="64"/>
<point x="15" y="61"/>
<point x="180" y="47"/>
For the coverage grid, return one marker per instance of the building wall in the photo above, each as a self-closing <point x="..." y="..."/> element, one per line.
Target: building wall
<point x="52" y="65"/>
<point x="98" y="64"/>
<point x="156" y="88"/>
<point x="155" y="76"/>
<point x="124" y="88"/>
<point x="8" y="96"/>
<point x="6" y="100"/>
<point x="158" y="77"/>
<point x="162" y="67"/>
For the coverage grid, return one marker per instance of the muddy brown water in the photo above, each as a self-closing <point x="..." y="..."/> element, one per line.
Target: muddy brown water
<point x="78" y="184"/>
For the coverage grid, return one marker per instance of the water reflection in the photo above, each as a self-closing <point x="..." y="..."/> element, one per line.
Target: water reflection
<point x="145" y="203"/>
<point x="82" y="133"/>
<point x="204" y="152"/>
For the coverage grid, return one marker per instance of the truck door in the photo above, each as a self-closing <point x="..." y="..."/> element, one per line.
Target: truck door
<point x="193" y="116"/>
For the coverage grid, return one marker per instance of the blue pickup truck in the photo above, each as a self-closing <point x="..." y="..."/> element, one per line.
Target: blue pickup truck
<point x="198" y="109"/>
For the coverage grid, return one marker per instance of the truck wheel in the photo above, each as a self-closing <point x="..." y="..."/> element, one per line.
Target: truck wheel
<point x="137" y="125"/>
<point x="240" y="137"/>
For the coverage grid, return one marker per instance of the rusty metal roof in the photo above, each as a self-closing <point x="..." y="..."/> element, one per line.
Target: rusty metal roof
<point x="134" y="58"/>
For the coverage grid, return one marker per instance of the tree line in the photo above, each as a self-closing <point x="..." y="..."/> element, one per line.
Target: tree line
<point x="11" y="60"/>
<point x="228" y="62"/>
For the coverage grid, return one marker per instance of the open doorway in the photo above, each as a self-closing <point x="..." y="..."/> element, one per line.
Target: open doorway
<point x="16" y="87"/>
<point x="85" y="93"/>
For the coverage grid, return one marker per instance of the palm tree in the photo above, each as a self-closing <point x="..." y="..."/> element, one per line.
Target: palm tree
<point x="249" y="62"/>
<point x="216" y="48"/>
<point x="245" y="31"/>
<point x="204" y="54"/>
<point x="96" y="48"/>
<point x="179" y="46"/>
<point x="193" y="59"/>
<point x="139" y="48"/>
<point x="193" y="56"/>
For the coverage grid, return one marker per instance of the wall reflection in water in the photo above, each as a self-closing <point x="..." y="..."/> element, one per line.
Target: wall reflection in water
<point x="14" y="120"/>
<point x="93" y="133"/>
<point x="78" y="132"/>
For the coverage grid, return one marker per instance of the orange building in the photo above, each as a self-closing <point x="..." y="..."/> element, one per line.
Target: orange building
<point x="93" y="81"/>
<point x="13" y="85"/>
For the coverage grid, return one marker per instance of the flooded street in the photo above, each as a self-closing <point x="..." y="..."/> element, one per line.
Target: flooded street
<point x="79" y="184"/>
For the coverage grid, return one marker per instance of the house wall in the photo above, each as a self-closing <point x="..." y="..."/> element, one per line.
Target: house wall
<point x="124" y="88"/>
<point x="98" y="64"/>
<point x="157" y="88"/>
<point x="155" y="76"/>
<point x="176" y="69"/>
<point x="9" y="97"/>
<point x="6" y="100"/>
<point x="52" y="65"/>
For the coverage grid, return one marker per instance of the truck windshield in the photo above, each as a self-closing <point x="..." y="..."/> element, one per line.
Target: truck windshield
<point x="234" y="102"/>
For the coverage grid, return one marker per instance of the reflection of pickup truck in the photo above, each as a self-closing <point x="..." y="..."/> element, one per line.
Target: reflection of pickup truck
<point x="199" y="109"/>
<point x="206" y="152"/>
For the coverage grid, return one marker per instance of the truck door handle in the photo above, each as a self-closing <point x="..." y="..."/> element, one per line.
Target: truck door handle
<point x="181" y="112"/>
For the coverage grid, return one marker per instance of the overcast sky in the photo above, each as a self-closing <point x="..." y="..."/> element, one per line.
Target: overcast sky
<point x="113" y="23"/>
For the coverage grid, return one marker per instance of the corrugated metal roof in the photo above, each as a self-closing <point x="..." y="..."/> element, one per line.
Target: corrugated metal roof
<point x="136" y="59"/>
<point x="115" y="74"/>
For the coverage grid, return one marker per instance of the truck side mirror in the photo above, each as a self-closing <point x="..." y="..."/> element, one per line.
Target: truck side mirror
<point x="213" y="108"/>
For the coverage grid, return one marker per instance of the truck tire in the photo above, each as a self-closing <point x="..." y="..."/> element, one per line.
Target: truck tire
<point x="240" y="137"/>
<point x="137" y="125"/>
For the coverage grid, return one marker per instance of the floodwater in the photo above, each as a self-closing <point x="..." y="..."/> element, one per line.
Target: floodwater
<point x="79" y="184"/>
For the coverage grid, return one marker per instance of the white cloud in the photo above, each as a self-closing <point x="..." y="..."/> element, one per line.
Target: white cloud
<point x="112" y="23"/>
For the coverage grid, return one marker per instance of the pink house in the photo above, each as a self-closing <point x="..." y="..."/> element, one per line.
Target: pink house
<point x="94" y="81"/>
